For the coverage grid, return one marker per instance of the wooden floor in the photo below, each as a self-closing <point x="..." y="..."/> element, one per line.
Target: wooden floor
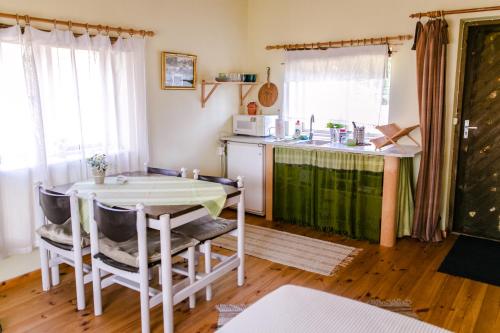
<point x="407" y="271"/>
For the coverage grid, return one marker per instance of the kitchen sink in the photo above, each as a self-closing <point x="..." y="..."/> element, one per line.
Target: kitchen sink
<point x="313" y="142"/>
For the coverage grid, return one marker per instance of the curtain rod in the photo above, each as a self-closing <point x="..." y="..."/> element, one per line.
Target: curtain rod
<point x="99" y="27"/>
<point x="441" y="13"/>
<point x="340" y="43"/>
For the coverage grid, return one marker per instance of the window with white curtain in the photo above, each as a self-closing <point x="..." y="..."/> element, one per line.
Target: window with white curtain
<point x="16" y="148"/>
<point x="60" y="102"/>
<point x="62" y="99"/>
<point x="77" y="93"/>
<point x="339" y="85"/>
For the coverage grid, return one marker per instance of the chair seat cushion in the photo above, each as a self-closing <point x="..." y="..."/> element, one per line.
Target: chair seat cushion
<point x="206" y="228"/>
<point x="127" y="252"/>
<point x="61" y="233"/>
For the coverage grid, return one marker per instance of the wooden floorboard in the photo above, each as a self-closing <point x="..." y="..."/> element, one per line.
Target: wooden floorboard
<point x="407" y="271"/>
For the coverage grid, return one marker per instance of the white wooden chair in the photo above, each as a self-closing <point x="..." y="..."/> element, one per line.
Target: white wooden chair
<point x="206" y="229"/>
<point x="61" y="239"/>
<point x="122" y="245"/>
<point x="166" y="172"/>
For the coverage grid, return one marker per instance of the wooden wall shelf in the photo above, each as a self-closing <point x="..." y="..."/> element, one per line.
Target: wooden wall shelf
<point x="215" y="84"/>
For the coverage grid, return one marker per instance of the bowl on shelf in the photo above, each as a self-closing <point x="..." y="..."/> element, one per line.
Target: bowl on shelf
<point x="249" y="77"/>
<point x="222" y="77"/>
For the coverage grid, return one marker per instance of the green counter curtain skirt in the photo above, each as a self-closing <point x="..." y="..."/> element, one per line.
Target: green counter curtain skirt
<point x="330" y="191"/>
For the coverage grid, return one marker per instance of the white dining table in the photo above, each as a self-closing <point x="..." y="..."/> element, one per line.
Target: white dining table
<point x="164" y="218"/>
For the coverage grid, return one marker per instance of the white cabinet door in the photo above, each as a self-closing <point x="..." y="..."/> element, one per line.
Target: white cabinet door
<point x="247" y="160"/>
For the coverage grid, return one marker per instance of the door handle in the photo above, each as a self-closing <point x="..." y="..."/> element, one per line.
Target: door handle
<point x="467" y="128"/>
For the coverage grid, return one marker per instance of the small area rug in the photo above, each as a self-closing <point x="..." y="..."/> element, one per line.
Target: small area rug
<point x="228" y="312"/>
<point x="474" y="258"/>
<point x="395" y="305"/>
<point x="308" y="254"/>
<point x="403" y="307"/>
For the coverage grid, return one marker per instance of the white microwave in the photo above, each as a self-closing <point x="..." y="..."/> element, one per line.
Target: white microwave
<point x="260" y="125"/>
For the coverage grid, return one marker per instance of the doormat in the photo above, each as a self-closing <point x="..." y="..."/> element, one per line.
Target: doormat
<point x="474" y="258"/>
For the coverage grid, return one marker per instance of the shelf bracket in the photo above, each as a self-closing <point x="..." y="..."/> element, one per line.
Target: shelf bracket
<point x="245" y="95"/>
<point x="204" y="98"/>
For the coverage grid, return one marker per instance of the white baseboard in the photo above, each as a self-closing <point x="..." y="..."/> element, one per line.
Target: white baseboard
<point x="19" y="264"/>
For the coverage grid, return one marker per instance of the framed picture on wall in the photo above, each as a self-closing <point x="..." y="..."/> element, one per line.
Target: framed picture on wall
<point x="178" y="71"/>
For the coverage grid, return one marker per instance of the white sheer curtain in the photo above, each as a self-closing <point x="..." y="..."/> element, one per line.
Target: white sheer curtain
<point x="339" y="84"/>
<point x="62" y="99"/>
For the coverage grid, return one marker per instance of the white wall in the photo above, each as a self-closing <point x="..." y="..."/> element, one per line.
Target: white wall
<point x="298" y="21"/>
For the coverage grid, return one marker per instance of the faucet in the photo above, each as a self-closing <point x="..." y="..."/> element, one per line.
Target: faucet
<point x="311" y="127"/>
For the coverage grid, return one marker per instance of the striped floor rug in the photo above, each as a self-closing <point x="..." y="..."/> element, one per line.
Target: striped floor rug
<point x="297" y="251"/>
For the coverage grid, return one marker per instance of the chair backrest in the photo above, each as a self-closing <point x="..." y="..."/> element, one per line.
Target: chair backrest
<point x="117" y="224"/>
<point x="165" y="172"/>
<point x="214" y="179"/>
<point x="55" y="206"/>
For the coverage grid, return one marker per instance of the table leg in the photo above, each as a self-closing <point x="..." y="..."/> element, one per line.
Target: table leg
<point x="241" y="239"/>
<point x="389" y="201"/>
<point x="166" y="275"/>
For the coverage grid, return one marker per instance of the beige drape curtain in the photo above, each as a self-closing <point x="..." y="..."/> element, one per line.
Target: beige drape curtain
<point x="430" y="44"/>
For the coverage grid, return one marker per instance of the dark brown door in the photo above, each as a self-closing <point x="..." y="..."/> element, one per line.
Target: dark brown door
<point x="477" y="193"/>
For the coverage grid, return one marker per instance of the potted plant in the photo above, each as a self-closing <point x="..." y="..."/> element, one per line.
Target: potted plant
<point x="334" y="131"/>
<point x="99" y="165"/>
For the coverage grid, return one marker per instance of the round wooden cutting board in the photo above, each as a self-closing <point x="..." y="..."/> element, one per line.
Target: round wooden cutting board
<point x="268" y="93"/>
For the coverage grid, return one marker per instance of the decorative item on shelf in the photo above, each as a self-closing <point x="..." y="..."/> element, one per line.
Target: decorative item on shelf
<point x="249" y="77"/>
<point x="236" y="77"/>
<point x="268" y="93"/>
<point x="178" y="71"/>
<point x="99" y="165"/>
<point x="252" y="108"/>
<point x="223" y="77"/>
<point x="392" y="133"/>
<point x="334" y="131"/>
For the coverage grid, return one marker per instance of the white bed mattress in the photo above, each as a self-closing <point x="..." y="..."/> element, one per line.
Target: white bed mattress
<point x="297" y="309"/>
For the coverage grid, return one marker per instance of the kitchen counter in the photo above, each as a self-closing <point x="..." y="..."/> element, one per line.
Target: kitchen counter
<point x="392" y="158"/>
<point x="408" y="151"/>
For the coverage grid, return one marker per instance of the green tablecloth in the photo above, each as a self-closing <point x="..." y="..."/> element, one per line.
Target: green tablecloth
<point x="151" y="191"/>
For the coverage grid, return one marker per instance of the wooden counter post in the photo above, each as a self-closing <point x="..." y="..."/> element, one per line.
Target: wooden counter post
<point x="389" y="201"/>
<point x="269" y="181"/>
